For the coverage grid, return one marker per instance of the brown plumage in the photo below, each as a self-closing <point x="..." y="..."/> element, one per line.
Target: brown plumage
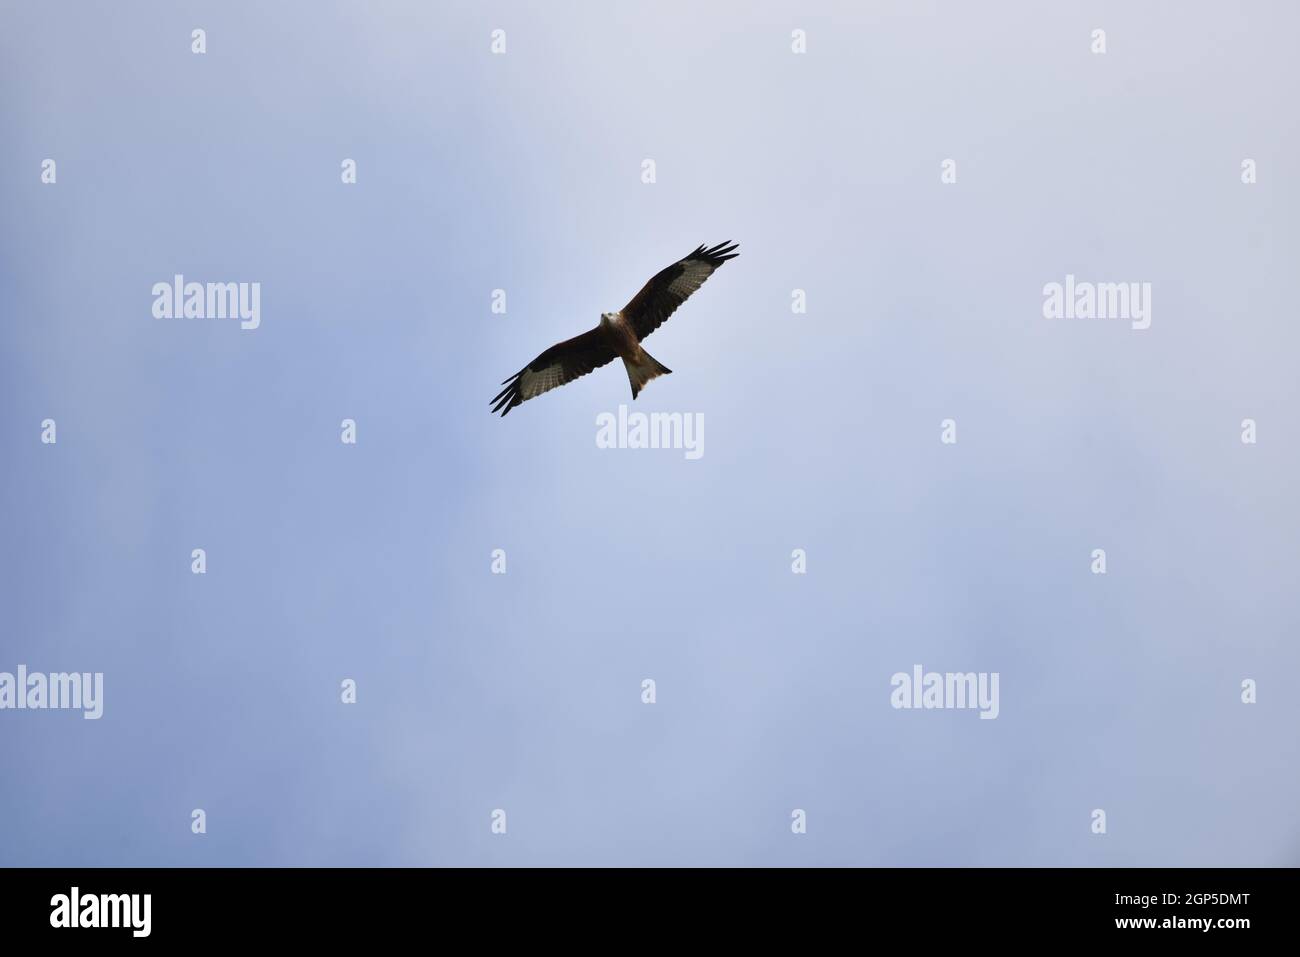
<point x="619" y="334"/>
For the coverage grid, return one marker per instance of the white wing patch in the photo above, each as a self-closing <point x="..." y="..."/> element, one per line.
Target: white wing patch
<point x="535" y="382"/>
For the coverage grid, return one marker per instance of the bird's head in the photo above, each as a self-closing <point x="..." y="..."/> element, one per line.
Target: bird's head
<point x="607" y="318"/>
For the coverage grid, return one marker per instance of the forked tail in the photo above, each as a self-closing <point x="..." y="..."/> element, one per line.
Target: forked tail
<point x="646" y="367"/>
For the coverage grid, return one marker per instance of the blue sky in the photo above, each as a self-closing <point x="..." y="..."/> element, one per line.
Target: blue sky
<point x="523" y="691"/>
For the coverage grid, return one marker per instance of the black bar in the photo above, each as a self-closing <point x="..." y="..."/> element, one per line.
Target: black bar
<point x="364" y="905"/>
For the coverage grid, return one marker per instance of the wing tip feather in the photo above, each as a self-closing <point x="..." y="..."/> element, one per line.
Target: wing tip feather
<point x="509" y="397"/>
<point x="717" y="255"/>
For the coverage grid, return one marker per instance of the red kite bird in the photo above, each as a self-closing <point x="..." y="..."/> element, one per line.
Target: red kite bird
<point x="618" y="335"/>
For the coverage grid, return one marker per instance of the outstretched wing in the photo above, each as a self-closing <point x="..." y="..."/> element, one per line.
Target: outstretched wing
<point x="651" y="307"/>
<point x="559" y="364"/>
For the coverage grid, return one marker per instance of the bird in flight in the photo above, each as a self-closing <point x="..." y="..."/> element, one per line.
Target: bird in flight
<point x="619" y="334"/>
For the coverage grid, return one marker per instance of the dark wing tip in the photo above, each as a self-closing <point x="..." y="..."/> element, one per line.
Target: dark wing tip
<point x="509" y="397"/>
<point x="717" y="255"/>
<point x="506" y="403"/>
